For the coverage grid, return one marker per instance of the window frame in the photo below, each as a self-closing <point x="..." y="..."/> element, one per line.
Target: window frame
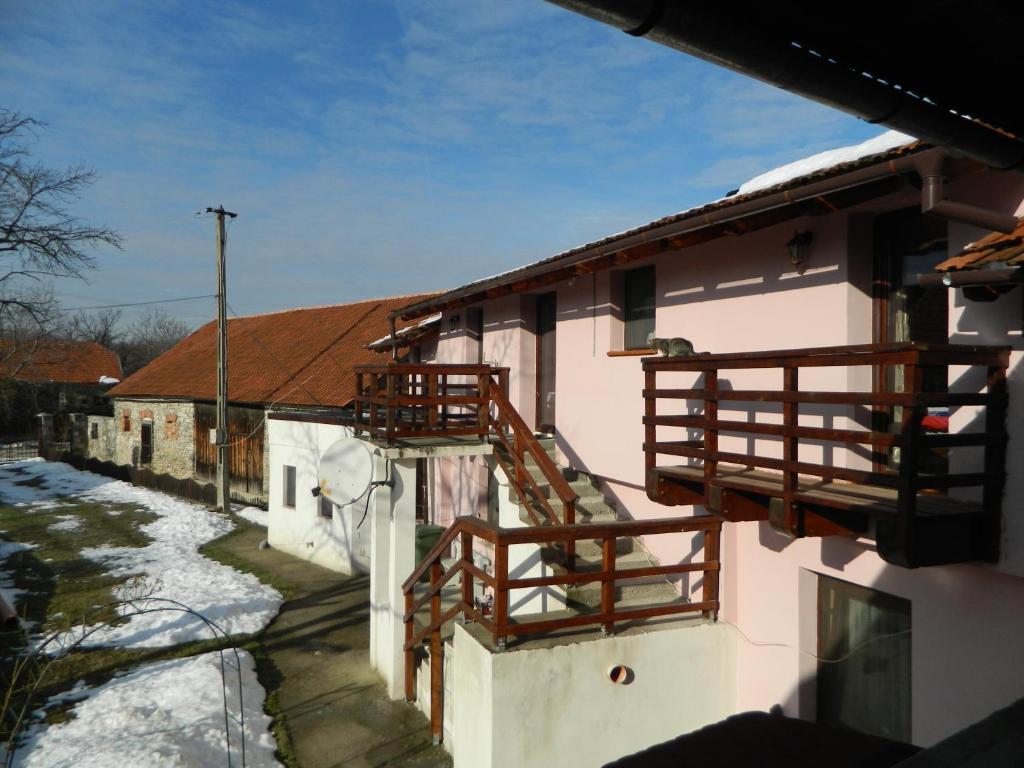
<point x="632" y="312"/>
<point x="323" y="502"/>
<point x="289" y="482"/>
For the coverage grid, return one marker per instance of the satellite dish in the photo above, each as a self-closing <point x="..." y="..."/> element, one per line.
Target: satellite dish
<point x="346" y="471"/>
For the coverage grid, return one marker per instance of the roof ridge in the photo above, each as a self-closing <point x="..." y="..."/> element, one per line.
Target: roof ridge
<point x="379" y="300"/>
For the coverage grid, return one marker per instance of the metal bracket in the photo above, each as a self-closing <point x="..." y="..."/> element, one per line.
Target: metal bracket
<point x="714" y="495"/>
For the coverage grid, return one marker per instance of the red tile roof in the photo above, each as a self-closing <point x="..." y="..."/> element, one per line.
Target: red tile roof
<point x="293" y="357"/>
<point x="66" y="362"/>
<point x="993" y="247"/>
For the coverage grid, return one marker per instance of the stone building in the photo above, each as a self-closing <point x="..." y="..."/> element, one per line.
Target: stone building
<point x="297" y="358"/>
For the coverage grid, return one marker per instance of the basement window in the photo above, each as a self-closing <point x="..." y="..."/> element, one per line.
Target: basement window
<point x="638" y="300"/>
<point x="325" y="507"/>
<point x="126" y="421"/>
<point x="289" y="487"/>
<point x="863" y="681"/>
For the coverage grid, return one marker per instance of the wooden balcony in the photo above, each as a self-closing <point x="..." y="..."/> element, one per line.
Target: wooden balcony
<point x="886" y="473"/>
<point x="425" y="401"/>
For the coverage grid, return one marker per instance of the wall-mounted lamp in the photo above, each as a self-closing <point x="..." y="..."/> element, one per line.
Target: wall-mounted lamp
<point x="798" y="245"/>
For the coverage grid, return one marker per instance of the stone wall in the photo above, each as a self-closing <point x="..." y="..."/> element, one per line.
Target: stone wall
<point x="173" y="434"/>
<point x="101" y="437"/>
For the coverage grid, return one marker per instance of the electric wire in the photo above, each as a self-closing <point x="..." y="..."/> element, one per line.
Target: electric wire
<point x="138" y="303"/>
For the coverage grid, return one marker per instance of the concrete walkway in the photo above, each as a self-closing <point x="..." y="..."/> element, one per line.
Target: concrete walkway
<point x="335" y="706"/>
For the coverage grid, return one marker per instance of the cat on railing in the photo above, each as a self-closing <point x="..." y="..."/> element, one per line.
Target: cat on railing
<point x="674" y="347"/>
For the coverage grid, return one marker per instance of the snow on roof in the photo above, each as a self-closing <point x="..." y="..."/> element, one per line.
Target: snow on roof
<point x="822" y="160"/>
<point x="791" y="175"/>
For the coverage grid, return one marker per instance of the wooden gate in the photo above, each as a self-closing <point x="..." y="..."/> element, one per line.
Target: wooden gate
<point x="246" y="429"/>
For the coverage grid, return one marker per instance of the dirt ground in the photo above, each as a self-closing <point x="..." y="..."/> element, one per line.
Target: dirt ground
<point x="335" y="707"/>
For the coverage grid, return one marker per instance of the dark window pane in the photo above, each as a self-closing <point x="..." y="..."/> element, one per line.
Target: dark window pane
<point x="638" y="307"/>
<point x="869" y="690"/>
<point x="326" y="507"/>
<point x="289" y="486"/>
<point x="146" y="454"/>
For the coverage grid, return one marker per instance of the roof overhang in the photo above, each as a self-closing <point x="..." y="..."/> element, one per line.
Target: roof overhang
<point x="825" y="191"/>
<point x="927" y="78"/>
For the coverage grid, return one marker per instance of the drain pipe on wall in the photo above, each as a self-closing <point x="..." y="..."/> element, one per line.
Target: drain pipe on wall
<point x="930" y="166"/>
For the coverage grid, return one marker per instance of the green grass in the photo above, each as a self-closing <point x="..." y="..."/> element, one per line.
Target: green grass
<point x="61" y="585"/>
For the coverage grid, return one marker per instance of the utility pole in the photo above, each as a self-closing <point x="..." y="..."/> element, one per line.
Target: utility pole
<point x="223" y="494"/>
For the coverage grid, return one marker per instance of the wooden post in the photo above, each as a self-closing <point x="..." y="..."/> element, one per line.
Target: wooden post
<point x="467" y="576"/>
<point x="436" y="658"/>
<point x="357" y="403"/>
<point x="710" y="429"/>
<point x="410" y="653"/>
<point x="906" y="502"/>
<point x="569" y="510"/>
<point x="995" y="458"/>
<point x="500" y="594"/>
<point x="608" y="584"/>
<point x="712" y="554"/>
<point x="483" y="388"/>
<point x="650" y="430"/>
<point x="432" y="408"/>
<point x="790" y="453"/>
<point x="391" y="387"/>
<point x="444" y="401"/>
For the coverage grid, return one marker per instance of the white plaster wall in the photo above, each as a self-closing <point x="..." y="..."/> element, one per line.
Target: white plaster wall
<point x="340" y="542"/>
<point x="966" y="626"/>
<point x="556" y="706"/>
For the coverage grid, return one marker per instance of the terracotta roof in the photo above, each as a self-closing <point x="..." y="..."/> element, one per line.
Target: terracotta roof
<point x="994" y="247"/>
<point x="66" y="362"/>
<point x="293" y="357"/>
<point x="551" y="263"/>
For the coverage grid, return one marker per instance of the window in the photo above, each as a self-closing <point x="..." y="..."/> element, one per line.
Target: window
<point x="94" y="431"/>
<point x="126" y="421"/>
<point x="638" y="307"/>
<point x="146" y="453"/>
<point x="289" y="487"/>
<point x="325" y="506"/>
<point x="868" y="690"/>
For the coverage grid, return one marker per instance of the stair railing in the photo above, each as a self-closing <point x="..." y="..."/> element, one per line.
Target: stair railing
<point x="519" y="443"/>
<point x="500" y="625"/>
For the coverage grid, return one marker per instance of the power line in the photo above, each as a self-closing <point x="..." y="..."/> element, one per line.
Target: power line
<point x="139" y="303"/>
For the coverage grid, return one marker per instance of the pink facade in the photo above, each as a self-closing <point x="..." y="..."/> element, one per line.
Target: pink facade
<point x="739" y="294"/>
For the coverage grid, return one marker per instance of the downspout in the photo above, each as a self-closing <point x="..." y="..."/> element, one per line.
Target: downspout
<point x="394" y="336"/>
<point x="930" y="166"/>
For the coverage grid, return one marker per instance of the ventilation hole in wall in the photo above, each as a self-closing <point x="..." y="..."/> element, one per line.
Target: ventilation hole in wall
<point x="620" y="674"/>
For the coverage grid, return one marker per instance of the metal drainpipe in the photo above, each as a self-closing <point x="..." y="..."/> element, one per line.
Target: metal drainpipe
<point x="394" y="337"/>
<point x="689" y="28"/>
<point x="930" y="166"/>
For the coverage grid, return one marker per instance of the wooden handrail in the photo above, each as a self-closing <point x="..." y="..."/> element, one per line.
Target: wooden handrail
<point x="908" y="434"/>
<point x="501" y="625"/>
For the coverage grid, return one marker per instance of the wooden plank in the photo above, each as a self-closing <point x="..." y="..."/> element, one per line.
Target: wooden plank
<point x="934" y="399"/>
<point x="608" y="582"/>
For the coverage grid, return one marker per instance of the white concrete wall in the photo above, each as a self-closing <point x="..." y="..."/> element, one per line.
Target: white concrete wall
<point x="340" y="542"/>
<point x="556" y="706"/>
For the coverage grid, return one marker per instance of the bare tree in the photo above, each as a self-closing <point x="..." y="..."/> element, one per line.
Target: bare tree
<point x="100" y="327"/>
<point x="39" y="239"/>
<point x="149" y="337"/>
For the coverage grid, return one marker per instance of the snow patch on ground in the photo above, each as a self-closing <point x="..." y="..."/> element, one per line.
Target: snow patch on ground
<point x="254" y="515"/>
<point x="822" y="160"/>
<point x="165" y="714"/>
<point x="170" y="565"/>
<point x="66" y="523"/>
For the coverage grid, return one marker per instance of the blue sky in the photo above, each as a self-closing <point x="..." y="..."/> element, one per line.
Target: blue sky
<point x="374" y="147"/>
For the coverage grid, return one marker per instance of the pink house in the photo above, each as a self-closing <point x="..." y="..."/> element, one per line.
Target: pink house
<point x="831" y="481"/>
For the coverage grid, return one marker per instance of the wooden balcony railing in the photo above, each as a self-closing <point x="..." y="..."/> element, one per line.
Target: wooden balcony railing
<point x="436" y="402"/>
<point x="901" y="494"/>
<point x="398" y="402"/>
<point x="501" y="625"/>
